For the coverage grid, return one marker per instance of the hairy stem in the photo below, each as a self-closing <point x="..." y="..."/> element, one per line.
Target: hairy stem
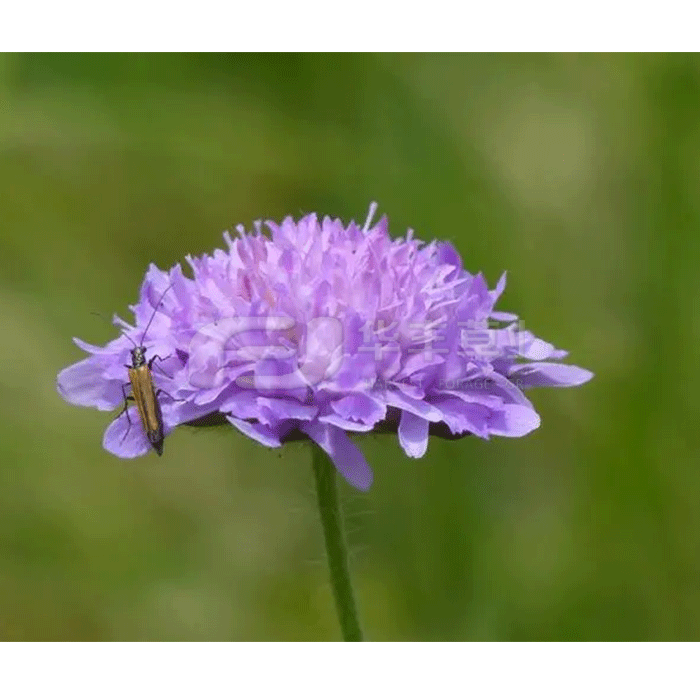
<point x="336" y="548"/>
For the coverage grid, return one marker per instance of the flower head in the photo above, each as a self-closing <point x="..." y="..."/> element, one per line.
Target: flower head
<point x="323" y="329"/>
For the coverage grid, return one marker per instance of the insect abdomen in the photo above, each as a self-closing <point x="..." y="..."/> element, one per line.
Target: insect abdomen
<point x="148" y="406"/>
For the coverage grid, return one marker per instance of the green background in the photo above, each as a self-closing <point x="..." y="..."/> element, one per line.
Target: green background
<point x="579" y="175"/>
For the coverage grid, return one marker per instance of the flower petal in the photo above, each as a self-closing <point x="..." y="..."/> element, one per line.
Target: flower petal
<point x="462" y="416"/>
<point x="416" y="406"/>
<point x="124" y="439"/>
<point x="548" y="374"/>
<point x="127" y="439"/>
<point x="514" y="420"/>
<point x="360" y="407"/>
<point x="263" y="434"/>
<point x="274" y="410"/>
<point x="413" y="434"/>
<point x="534" y="348"/>
<point x="83" y="384"/>
<point x="346" y="456"/>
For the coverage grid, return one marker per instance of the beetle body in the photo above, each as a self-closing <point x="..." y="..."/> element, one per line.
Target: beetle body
<point x="145" y="397"/>
<point x="143" y="391"/>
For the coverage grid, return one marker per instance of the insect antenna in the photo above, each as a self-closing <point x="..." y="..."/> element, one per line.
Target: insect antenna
<point x="112" y="323"/>
<point x="153" y="315"/>
<point x="148" y="325"/>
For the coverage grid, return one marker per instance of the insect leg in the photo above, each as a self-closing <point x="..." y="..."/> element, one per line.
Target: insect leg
<point x="165" y="393"/>
<point x="127" y="398"/>
<point x="160" y="369"/>
<point x="126" y="410"/>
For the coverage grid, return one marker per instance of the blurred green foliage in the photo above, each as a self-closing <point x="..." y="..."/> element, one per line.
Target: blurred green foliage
<point x="579" y="174"/>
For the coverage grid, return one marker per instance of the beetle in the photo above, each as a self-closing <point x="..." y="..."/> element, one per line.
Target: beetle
<point x="143" y="391"/>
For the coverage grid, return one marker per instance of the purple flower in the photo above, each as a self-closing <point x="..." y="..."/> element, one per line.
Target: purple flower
<point x="321" y="329"/>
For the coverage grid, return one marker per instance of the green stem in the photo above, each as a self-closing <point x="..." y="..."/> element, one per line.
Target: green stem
<point x="336" y="548"/>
